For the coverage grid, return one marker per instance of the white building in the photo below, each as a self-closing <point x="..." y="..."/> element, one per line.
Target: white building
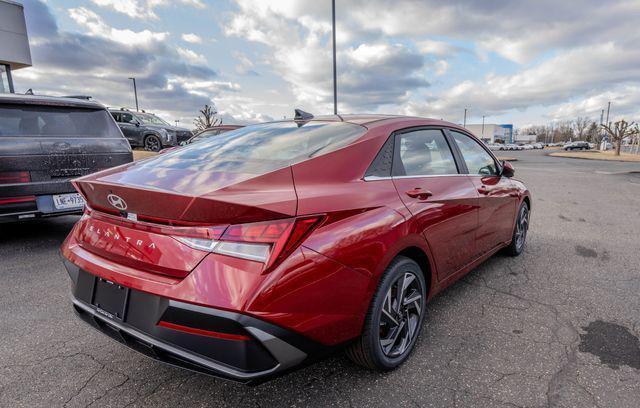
<point x="492" y="133"/>
<point x="14" y="42"/>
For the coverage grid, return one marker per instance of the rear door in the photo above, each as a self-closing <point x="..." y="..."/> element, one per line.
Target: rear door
<point x="497" y="194"/>
<point x="443" y="201"/>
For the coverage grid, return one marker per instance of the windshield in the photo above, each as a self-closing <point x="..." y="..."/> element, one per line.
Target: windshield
<point x="149" y="119"/>
<point x="204" y="135"/>
<point x="56" y="121"/>
<point x="263" y="147"/>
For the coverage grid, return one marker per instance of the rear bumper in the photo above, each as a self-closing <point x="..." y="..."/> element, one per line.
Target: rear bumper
<point x="40" y="208"/>
<point x="211" y="341"/>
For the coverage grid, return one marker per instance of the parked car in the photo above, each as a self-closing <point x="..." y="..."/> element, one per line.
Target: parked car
<point x="44" y="143"/>
<point x="495" y="146"/>
<point x="578" y="145"/>
<point x="148" y="130"/>
<point x="538" y="146"/>
<point x="251" y="253"/>
<point x="204" y="135"/>
<point x="512" y="146"/>
<point x="527" y="147"/>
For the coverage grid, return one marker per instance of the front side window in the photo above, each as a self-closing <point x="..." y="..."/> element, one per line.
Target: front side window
<point x="477" y="159"/>
<point x="149" y="119"/>
<point x="126" y="118"/>
<point x="423" y="153"/>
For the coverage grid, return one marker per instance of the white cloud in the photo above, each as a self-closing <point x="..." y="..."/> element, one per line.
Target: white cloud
<point x="191" y="56"/>
<point x="144" y="9"/>
<point x="191" y="38"/>
<point x="97" y="27"/>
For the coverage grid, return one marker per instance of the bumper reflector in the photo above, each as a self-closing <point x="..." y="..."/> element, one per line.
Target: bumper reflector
<point x="202" y="332"/>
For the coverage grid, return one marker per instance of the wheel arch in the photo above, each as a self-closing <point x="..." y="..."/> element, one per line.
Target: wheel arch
<point x="418" y="255"/>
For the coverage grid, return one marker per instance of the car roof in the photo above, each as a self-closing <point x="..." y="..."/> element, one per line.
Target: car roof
<point x="44" y="100"/>
<point x="371" y="121"/>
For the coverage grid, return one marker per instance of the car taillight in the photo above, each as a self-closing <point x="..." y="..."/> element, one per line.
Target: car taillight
<point x="14" y="177"/>
<point x="266" y="242"/>
<point x="17" y="200"/>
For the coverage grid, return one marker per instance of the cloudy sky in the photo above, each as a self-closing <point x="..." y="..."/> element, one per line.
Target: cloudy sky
<point x="522" y="62"/>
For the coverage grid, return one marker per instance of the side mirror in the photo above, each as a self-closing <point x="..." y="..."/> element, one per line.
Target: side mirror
<point x="134" y="122"/>
<point x="507" y="169"/>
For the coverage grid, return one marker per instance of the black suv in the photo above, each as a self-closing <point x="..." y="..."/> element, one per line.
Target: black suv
<point x="44" y="143"/>
<point x="149" y="131"/>
<point x="577" y="145"/>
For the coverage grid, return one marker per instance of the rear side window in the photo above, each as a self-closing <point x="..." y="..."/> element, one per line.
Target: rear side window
<point x="477" y="159"/>
<point x="54" y="121"/>
<point x="423" y="153"/>
<point x="264" y="146"/>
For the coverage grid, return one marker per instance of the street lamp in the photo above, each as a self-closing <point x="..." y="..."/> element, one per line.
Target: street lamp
<point x="483" y="126"/>
<point x="335" y="85"/>
<point x="464" y="122"/>
<point x="135" y="93"/>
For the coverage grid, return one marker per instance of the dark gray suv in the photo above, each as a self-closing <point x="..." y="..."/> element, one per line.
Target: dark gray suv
<point x="149" y="131"/>
<point x="44" y="143"/>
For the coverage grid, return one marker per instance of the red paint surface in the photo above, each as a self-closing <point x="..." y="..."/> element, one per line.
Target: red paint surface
<point x="323" y="286"/>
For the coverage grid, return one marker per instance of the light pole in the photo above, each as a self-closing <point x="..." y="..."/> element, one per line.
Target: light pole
<point x="335" y="84"/>
<point x="135" y="93"/>
<point x="483" y="126"/>
<point x="464" y="122"/>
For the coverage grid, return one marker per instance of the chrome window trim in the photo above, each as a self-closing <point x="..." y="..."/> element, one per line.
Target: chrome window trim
<point x="378" y="178"/>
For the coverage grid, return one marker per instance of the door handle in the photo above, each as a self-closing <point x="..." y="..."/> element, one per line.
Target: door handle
<point x="419" y="193"/>
<point x="483" y="190"/>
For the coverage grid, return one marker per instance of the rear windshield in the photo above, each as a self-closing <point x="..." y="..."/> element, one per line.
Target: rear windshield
<point x="55" y="121"/>
<point x="266" y="146"/>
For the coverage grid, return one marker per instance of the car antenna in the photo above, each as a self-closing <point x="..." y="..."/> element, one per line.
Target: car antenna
<point x="302" y="115"/>
<point x="29" y="92"/>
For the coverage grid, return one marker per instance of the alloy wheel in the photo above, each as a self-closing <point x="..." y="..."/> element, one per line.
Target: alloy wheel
<point x="400" y="315"/>
<point x="522" y="225"/>
<point x="152" y="143"/>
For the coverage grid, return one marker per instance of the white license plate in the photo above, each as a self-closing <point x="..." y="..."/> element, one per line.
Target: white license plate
<point x="66" y="201"/>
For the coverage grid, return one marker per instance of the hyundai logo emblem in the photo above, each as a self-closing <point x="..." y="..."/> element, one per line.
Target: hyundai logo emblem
<point x="117" y="202"/>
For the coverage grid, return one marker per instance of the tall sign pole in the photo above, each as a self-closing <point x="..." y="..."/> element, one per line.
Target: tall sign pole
<point x="335" y="84"/>
<point x="135" y="92"/>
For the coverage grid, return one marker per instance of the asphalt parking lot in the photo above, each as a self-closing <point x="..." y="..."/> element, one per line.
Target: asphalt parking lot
<point x="558" y="326"/>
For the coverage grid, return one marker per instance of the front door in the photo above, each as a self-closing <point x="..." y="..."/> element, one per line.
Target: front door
<point x="129" y="129"/>
<point x="497" y="195"/>
<point x="443" y="201"/>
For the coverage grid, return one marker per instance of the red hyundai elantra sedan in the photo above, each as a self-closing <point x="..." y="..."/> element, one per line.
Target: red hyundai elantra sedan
<point x="263" y="248"/>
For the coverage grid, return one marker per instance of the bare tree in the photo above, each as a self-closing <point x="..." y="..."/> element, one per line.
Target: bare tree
<point x="620" y="130"/>
<point x="593" y="132"/>
<point x="207" y="118"/>
<point x="580" y="124"/>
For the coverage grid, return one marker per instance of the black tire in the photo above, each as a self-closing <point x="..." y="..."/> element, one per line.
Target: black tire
<point x="519" y="237"/>
<point x="152" y="143"/>
<point x="368" y="350"/>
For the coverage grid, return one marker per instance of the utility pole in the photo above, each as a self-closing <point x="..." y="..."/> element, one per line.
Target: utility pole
<point x="464" y="122"/>
<point x="335" y="81"/>
<point x="483" y="126"/>
<point x="135" y="93"/>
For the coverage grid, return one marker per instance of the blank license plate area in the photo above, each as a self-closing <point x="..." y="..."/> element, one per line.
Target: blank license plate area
<point x="110" y="298"/>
